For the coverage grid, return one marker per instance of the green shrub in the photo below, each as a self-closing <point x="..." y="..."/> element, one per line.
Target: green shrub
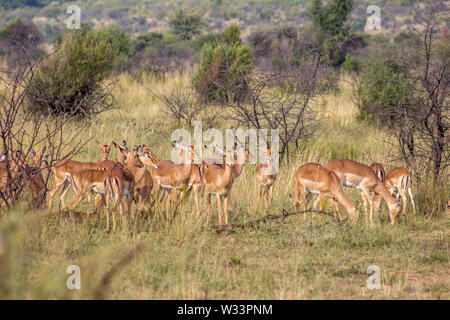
<point x="70" y="81"/>
<point x="186" y="25"/>
<point x="224" y="66"/>
<point x="386" y="91"/>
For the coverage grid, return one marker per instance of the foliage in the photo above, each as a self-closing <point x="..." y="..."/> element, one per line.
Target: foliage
<point x="224" y="64"/>
<point x="331" y="29"/>
<point x="70" y="81"/>
<point x="186" y="25"/>
<point x="13" y="4"/>
<point x="19" y="42"/>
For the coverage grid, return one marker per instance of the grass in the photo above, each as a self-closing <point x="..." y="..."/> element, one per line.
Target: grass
<point x="282" y="259"/>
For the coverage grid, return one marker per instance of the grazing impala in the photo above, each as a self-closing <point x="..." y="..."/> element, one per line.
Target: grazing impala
<point x="316" y="179"/>
<point x="398" y="181"/>
<point x="218" y="180"/>
<point x="143" y="179"/>
<point x="379" y="170"/>
<point x="265" y="178"/>
<point x="362" y="177"/>
<point x="63" y="171"/>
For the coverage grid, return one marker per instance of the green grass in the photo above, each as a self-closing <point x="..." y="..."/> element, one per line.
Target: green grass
<point x="280" y="259"/>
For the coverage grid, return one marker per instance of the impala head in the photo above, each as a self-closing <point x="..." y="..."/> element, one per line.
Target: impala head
<point x="395" y="210"/>
<point x="184" y="153"/>
<point x="379" y="170"/>
<point x="147" y="157"/>
<point x="39" y="158"/>
<point x="243" y="155"/>
<point x="123" y="148"/>
<point x="228" y="156"/>
<point x="106" y="149"/>
<point x="134" y="159"/>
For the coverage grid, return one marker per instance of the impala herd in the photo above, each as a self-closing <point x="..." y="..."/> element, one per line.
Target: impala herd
<point x="127" y="180"/>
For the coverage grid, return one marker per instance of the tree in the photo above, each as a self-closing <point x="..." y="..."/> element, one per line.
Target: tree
<point x="265" y="104"/>
<point x="22" y="133"/>
<point x="224" y="64"/>
<point x="19" y="42"/>
<point x="330" y="27"/>
<point x="71" y="81"/>
<point x="186" y="25"/>
<point x="14" y="4"/>
<point x="407" y="87"/>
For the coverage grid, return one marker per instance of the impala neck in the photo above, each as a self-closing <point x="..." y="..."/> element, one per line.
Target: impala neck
<point x="382" y="191"/>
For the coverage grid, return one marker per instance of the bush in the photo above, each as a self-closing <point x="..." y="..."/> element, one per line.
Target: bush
<point x="70" y="81"/>
<point x="222" y="64"/>
<point x="385" y="91"/>
<point x="185" y="25"/>
<point x="19" y="42"/>
<point x="158" y="54"/>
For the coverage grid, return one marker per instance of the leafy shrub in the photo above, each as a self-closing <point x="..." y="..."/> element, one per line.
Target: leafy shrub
<point x="186" y="25"/>
<point x="70" y="81"/>
<point x="19" y="42"/>
<point x="223" y="65"/>
<point x="385" y="91"/>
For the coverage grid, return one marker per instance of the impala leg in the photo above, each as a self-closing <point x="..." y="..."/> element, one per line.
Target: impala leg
<point x="320" y="206"/>
<point x="76" y="201"/>
<point x="225" y="207"/>
<point x="208" y="202"/>
<point x="302" y="193"/>
<point x="404" y="199"/>
<point x="266" y="196"/>
<point x="369" y="198"/>
<point x="197" y="207"/>
<point x="271" y="193"/>
<point x="336" y="205"/>
<point x="412" y="199"/>
<point x="219" y="208"/>
<point x="53" y="192"/>
<point x="98" y="204"/>
<point x="63" y="194"/>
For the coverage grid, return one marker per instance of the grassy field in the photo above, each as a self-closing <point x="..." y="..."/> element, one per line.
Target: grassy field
<point x="280" y="259"/>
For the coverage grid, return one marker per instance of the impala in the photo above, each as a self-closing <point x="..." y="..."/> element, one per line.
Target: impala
<point x="36" y="183"/>
<point x="447" y="208"/>
<point x="143" y="179"/>
<point x="64" y="169"/>
<point x="315" y="179"/>
<point x="16" y="166"/>
<point x="218" y="180"/>
<point x="265" y="178"/>
<point x="398" y="181"/>
<point x="169" y="175"/>
<point x="195" y="179"/>
<point x="362" y="177"/>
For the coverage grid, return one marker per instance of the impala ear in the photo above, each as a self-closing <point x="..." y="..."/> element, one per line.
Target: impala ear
<point x="290" y="196"/>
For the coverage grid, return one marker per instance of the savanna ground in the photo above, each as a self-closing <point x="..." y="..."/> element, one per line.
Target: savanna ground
<point x="280" y="259"/>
